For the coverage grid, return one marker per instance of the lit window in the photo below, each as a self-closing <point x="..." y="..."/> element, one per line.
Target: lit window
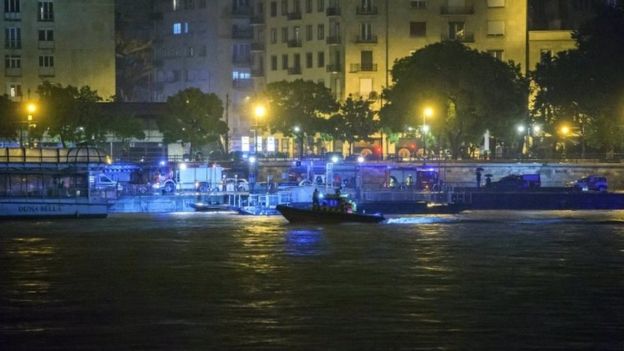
<point x="177" y="28"/>
<point x="14" y="90"/>
<point x="496" y="3"/>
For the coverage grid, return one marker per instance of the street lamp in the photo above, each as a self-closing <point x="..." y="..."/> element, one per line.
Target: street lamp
<point x="427" y="112"/>
<point x="299" y="134"/>
<point x="31" y="108"/>
<point x="259" y="112"/>
<point x="564" y="131"/>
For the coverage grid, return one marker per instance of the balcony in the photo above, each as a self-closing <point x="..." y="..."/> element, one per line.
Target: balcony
<point x="292" y="16"/>
<point x="46" y="71"/>
<point x="257" y="47"/>
<point x="333" y="40"/>
<point x="294" y="70"/>
<point x="363" y="67"/>
<point x="462" y="38"/>
<point x="13" y="72"/>
<point x="46" y="44"/>
<point x="257" y="20"/>
<point x="334" y="68"/>
<point x="294" y="43"/>
<point x="241" y="60"/>
<point x="242" y="84"/>
<point x="13" y="44"/>
<point x="332" y="11"/>
<point x="257" y="72"/>
<point x="241" y="11"/>
<point x="242" y="33"/>
<point x="368" y="39"/>
<point x="457" y="10"/>
<point x="366" y="11"/>
<point x="12" y="16"/>
<point x="418" y="4"/>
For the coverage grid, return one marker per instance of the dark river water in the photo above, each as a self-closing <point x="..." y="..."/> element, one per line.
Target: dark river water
<point x="480" y="280"/>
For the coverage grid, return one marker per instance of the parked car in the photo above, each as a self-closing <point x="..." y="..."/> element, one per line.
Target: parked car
<point x="591" y="183"/>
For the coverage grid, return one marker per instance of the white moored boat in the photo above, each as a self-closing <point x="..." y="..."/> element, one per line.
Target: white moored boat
<point x="43" y="183"/>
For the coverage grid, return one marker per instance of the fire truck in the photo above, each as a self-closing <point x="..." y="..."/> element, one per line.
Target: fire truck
<point x="185" y="177"/>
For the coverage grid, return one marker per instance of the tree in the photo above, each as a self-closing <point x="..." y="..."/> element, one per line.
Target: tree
<point x="70" y="113"/>
<point x="470" y="90"/>
<point x="9" y="121"/>
<point x="194" y="117"/>
<point x="305" y="104"/>
<point x="586" y="85"/>
<point x="355" y="121"/>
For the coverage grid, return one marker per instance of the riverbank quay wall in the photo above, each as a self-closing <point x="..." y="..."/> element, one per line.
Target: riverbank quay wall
<point x="463" y="174"/>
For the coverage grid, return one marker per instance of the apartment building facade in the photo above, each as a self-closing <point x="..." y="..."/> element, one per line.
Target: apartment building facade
<point x="235" y="47"/>
<point x="61" y="41"/>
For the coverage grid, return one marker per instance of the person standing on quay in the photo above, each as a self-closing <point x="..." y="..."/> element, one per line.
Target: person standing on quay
<point x="479" y="177"/>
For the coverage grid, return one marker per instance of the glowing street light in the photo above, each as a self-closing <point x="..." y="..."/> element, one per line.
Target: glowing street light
<point x="360" y="159"/>
<point x="427" y="112"/>
<point x="521" y="129"/>
<point x="259" y="112"/>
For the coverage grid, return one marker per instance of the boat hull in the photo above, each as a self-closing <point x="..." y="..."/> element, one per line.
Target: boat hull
<point x="302" y="215"/>
<point x="52" y="208"/>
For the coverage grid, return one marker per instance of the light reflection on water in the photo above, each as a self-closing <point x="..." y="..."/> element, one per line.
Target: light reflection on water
<point x="479" y="280"/>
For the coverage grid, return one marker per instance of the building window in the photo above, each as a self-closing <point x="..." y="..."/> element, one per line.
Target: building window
<point x="46" y="35"/>
<point x="46" y="10"/>
<point x="308" y="6"/>
<point x="180" y="27"/>
<point x="273" y="8"/>
<point x="496" y="53"/>
<point x="273" y="35"/>
<point x="274" y="63"/>
<point x="285" y="35"/>
<point x="203" y="51"/>
<point x="284" y="61"/>
<point x="496" y="28"/>
<point x="309" y="63"/>
<point x="320" y="32"/>
<point x="496" y="3"/>
<point x="418" y="29"/>
<point x="321" y="59"/>
<point x="284" y="7"/>
<point x="456" y="30"/>
<point x="12" y="61"/>
<point x="175" y="5"/>
<point x="202" y="4"/>
<point x="46" y="61"/>
<point x="13" y="38"/>
<point x="366" y="31"/>
<point x="189" y="4"/>
<point x="366" y="86"/>
<point x="419" y="4"/>
<point x="14" y="90"/>
<point x="11" y="9"/>
<point x="309" y="32"/>
<point x="321" y="5"/>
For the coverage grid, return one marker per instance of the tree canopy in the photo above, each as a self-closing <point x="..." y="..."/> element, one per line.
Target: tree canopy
<point x="305" y="104"/>
<point x="70" y="113"/>
<point x="354" y="121"/>
<point x="194" y="117"/>
<point x="470" y="91"/>
<point x="9" y="123"/>
<point x="585" y="86"/>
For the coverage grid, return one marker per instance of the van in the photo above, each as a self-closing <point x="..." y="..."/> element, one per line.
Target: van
<point x="591" y="183"/>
